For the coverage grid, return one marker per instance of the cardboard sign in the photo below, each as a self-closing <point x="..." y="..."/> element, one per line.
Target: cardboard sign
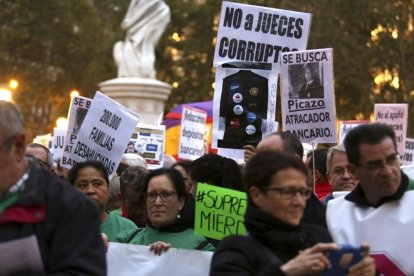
<point x="408" y="157"/>
<point x="394" y="115"/>
<point x="149" y="142"/>
<point x="103" y="135"/>
<point x="193" y="130"/>
<point x="308" y="99"/>
<point x="219" y="211"/>
<point x="251" y="33"/>
<point x="346" y="126"/>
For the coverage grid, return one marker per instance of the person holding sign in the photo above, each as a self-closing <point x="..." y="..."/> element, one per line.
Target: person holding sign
<point x="277" y="242"/>
<point x="165" y="197"/>
<point x="91" y="179"/>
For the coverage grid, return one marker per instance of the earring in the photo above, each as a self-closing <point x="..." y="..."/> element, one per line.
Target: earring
<point x="178" y="214"/>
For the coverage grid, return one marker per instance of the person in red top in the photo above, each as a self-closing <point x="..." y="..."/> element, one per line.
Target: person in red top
<point x="317" y="165"/>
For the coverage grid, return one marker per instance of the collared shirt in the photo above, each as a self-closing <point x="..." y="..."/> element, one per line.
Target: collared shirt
<point x="358" y="197"/>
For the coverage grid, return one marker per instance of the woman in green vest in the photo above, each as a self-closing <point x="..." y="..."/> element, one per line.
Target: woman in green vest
<point x="165" y="198"/>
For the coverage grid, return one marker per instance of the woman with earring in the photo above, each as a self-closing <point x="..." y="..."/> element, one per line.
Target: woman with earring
<point x="165" y="197"/>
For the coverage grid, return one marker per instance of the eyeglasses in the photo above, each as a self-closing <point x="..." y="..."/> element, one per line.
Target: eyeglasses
<point x="44" y="164"/>
<point x="338" y="171"/>
<point x="165" y="196"/>
<point x="390" y="160"/>
<point x="290" y="192"/>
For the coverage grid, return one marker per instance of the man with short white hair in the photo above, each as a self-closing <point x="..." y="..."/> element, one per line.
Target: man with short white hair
<point x="34" y="204"/>
<point x="339" y="177"/>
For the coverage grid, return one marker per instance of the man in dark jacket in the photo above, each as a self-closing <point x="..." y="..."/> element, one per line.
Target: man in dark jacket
<point x="62" y="223"/>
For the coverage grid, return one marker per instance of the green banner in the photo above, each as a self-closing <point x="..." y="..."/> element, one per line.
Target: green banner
<point x="219" y="211"/>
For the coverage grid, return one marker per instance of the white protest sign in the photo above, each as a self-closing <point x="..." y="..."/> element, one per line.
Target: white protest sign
<point x="308" y="99"/>
<point x="259" y="34"/>
<point x="244" y="108"/>
<point x="131" y="260"/>
<point x="394" y="115"/>
<point x="346" y="126"/>
<point x="150" y="143"/>
<point x="193" y="128"/>
<point x="408" y="156"/>
<point x="77" y="112"/>
<point x="58" y="142"/>
<point x="103" y="136"/>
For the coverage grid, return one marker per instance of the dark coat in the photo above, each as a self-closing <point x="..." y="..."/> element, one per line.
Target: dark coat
<point x="64" y="222"/>
<point x="313" y="90"/>
<point x="245" y="255"/>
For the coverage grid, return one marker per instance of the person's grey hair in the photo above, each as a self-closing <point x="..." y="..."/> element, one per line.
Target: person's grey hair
<point x="340" y="148"/>
<point x="48" y="153"/>
<point x="134" y="160"/>
<point x="11" y="119"/>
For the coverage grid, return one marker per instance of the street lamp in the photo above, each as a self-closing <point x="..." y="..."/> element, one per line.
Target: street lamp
<point x="5" y="94"/>
<point x="74" y="93"/>
<point x="6" y="90"/>
<point x="13" y="84"/>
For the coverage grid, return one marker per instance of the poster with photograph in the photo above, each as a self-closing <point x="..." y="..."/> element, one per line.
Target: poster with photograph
<point x="193" y="130"/>
<point x="149" y="142"/>
<point x="103" y="135"/>
<point x="248" y="33"/>
<point x="394" y="115"/>
<point x="77" y="112"/>
<point x="244" y="107"/>
<point x="308" y="99"/>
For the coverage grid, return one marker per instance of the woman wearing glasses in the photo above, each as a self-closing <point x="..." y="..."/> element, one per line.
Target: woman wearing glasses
<point x="277" y="242"/>
<point x="165" y="197"/>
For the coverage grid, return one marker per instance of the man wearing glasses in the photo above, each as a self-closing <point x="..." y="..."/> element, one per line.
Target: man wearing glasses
<point x="41" y="153"/>
<point x="380" y="209"/>
<point x="43" y="215"/>
<point x="339" y="176"/>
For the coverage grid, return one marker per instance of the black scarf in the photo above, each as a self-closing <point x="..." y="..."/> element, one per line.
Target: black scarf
<point x="283" y="239"/>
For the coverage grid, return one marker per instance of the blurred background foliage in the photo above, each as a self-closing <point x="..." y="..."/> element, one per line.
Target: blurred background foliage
<point x="52" y="47"/>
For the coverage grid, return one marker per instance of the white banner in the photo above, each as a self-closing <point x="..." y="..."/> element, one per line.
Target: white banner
<point x="394" y="115"/>
<point x="149" y="142"/>
<point x="308" y="99"/>
<point x="408" y="156"/>
<point x="193" y="129"/>
<point x="244" y="108"/>
<point x="130" y="259"/>
<point x="346" y="126"/>
<point x="259" y="34"/>
<point x="103" y="136"/>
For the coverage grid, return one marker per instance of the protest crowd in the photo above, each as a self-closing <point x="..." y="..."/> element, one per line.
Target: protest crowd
<point x="102" y="207"/>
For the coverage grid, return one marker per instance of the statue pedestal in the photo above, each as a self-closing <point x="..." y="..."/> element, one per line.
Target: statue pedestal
<point x="145" y="97"/>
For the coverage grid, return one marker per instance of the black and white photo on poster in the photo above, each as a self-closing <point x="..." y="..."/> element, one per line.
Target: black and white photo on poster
<point x="306" y="81"/>
<point x="308" y="99"/>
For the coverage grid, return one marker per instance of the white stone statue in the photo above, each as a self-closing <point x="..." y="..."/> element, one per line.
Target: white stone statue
<point x="144" y="23"/>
